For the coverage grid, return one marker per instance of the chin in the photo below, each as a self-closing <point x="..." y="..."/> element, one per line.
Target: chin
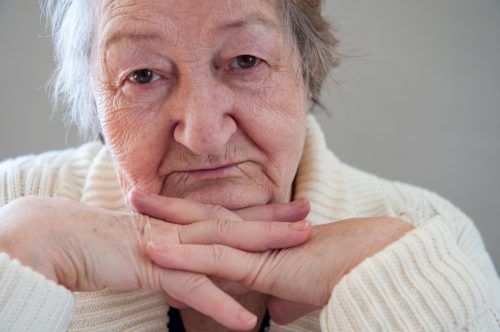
<point x="232" y="197"/>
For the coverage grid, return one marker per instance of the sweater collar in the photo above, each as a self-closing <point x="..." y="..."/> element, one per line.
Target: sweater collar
<point x="321" y="180"/>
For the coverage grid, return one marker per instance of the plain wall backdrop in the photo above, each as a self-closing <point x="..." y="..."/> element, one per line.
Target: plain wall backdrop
<point x="417" y="98"/>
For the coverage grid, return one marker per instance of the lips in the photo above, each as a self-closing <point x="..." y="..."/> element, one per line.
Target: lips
<point x="209" y="173"/>
<point x="213" y="169"/>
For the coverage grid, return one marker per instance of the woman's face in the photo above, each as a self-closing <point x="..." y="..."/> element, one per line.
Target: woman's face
<point x="200" y="99"/>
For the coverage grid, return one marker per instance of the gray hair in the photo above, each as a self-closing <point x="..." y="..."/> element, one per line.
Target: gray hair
<point x="71" y="31"/>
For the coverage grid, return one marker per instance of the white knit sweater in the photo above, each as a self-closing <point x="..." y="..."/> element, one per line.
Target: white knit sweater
<point x="436" y="277"/>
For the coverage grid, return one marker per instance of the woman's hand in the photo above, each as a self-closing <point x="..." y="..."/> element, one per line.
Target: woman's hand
<point x="180" y="211"/>
<point x="332" y="252"/>
<point x="301" y="278"/>
<point x="86" y="248"/>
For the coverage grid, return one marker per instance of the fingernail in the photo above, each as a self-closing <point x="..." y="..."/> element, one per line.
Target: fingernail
<point x="151" y="246"/>
<point x="300" y="226"/>
<point x="133" y="196"/>
<point x="301" y="203"/>
<point x="247" y="318"/>
<point x="298" y="202"/>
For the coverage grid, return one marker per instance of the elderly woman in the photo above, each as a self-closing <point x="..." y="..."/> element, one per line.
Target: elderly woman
<point x="215" y="192"/>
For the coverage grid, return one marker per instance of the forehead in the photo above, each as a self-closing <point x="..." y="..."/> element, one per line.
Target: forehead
<point x="195" y="17"/>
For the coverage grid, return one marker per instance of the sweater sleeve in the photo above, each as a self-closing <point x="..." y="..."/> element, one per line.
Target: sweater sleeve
<point x="31" y="302"/>
<point x="28" y="300"/>
<point x="437" y="277"/>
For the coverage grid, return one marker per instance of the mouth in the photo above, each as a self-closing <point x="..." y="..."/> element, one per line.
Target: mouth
<point x="213" y="169"/>
<point x="228" y="183"/>
<point x="212" y="173"/>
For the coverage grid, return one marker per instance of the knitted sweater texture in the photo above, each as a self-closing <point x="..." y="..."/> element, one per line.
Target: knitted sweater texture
<point x="437" y="277"/>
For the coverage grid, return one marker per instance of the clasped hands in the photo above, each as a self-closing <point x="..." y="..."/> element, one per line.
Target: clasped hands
<point x="297" y="267"/>
<point x="182" y="247"/>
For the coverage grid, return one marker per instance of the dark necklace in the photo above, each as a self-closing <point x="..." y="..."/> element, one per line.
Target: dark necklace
<point x="175" y="323"/>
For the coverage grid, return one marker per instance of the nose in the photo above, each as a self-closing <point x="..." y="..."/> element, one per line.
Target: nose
<point x="204" y="120"/>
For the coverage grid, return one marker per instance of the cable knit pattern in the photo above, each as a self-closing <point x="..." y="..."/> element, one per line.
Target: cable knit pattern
<point x="436" y="277"/>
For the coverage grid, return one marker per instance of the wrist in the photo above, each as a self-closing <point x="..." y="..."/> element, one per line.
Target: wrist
<point x="363" y="238"/>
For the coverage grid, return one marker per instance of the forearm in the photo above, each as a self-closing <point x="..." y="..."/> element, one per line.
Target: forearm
<point x="422" y="281"/>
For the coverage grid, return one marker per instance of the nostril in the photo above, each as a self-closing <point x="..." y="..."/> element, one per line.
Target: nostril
<point x="205" y="132"/>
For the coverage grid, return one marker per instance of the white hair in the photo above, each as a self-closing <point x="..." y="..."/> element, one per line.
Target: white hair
<point x="71" y="30"/>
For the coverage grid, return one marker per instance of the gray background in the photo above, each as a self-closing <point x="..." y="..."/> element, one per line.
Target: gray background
<point x="417" y="98"/>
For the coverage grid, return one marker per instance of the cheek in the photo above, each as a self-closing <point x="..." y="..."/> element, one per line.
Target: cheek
<point x="288" y="108"/>
<point x="136" y="139"/>
<point x="285" y="149"/>
<point x="277" y="125"/>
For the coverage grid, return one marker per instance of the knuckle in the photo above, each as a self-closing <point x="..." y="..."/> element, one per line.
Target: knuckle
<point x="262" y="271"/>
<point x="275" y="211"/>
<point x="151" y="276"/>
<point x="182" y="233"/>
<point x="221" y="302"/>
<point x="268" y="229"/>
<point x="193" y="284"/>
<point x="218" y="254"/>
<point x="218" y="211"/>
<point x="24" y="202"/>
<point x="222" y="227"/>
<point x="28" y="210"/>
<point x="194" y="287"/>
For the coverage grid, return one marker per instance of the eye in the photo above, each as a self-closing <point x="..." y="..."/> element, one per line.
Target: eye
<point x="143" y="76"/>
<point x="245" y="62"/>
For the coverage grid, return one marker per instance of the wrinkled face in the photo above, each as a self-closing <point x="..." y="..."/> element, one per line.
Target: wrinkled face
<point x="200" y="99"/>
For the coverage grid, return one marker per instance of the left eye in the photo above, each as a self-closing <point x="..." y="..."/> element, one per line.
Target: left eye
<point x="143" y="76"/>
<point x="245" y="62"/>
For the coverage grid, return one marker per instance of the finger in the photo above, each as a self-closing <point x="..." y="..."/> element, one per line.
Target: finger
<point x="293" y="211"/>
<point x="249" y="235"/>
<point x="233" y="288"/>
<point x="268" y="272"/>
<point x="207" y="260"/>
<point x="199" y="293"/>
<point x="181" y="211"/>
<point x="230" y="287"/>
<point x="284" y="312"/>
<point x="176" y="303"/>
<point x="176" y="210"/>
<point x="216" y="260"/>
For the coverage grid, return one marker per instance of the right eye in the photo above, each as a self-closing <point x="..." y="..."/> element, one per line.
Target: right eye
<point x="143" y="76"/>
